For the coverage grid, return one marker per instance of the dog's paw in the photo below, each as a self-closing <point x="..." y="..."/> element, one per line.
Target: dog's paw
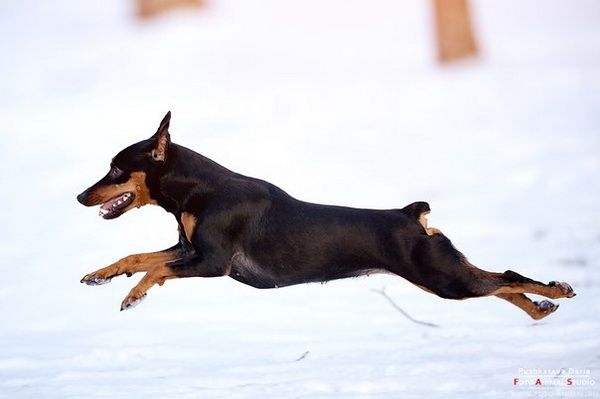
<point x="565" y="289"/>
<point x="101" y="276"/>
<point x="545" y="308"/>
<point x="93" y="279"/>
<point x="132" y="300"/>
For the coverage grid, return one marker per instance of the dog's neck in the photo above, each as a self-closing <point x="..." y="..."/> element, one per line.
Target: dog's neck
<point x="188" y="174"/>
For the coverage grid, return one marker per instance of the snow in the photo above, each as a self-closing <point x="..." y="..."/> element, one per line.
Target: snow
<point x="336" y="102"/>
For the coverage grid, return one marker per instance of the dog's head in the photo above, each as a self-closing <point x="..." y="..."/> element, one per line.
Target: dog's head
<point x="126" y="185"/>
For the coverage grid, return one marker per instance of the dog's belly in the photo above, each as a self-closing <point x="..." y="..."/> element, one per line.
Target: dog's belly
<point x="248" y="271"/>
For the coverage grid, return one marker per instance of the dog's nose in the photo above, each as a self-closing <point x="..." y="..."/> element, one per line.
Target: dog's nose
<point x="81" y="197"/>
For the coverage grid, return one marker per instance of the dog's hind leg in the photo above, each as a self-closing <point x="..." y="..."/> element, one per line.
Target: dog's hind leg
<point x="132" y="264"/>
<point x="439" y="268"/>
<point x="536" y="310"/>
<point x="513" y="283"/>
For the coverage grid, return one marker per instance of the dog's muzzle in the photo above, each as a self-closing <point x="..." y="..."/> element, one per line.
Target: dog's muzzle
<point x="82" y="197"/>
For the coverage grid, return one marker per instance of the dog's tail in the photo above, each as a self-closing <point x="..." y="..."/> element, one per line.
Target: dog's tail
<point x="416" y="209"/>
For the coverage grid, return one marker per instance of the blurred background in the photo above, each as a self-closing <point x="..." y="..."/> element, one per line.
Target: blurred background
<point x="488" y="110"/>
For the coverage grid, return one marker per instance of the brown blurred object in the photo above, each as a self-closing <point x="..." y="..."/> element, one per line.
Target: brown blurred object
<point x="455" y="38"/>
<point x="150" y="8"/>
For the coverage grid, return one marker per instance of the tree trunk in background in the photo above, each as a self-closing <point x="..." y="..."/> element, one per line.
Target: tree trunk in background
<point x="150" y="8"/>
<point x="455" y="38"/>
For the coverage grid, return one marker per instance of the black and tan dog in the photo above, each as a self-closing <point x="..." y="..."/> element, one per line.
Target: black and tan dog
<point x="250" y="230"/>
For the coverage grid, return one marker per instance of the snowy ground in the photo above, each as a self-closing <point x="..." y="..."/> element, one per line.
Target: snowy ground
<point x="336" y="102"/>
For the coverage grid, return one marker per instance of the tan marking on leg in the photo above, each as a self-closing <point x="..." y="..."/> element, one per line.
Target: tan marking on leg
<point x="189" y="224"/>
<point x="158" y="275"/>
<point x="133" y="264"/>
<point x="528" y="306"/>
<point x="553" y="292"/>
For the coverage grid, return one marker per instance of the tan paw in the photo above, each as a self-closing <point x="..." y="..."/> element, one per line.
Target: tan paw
<point x="133" y="299"/>
<point x="99" y="277"/>
<point x="565" y="289"/>
<point x="544" y="308"/>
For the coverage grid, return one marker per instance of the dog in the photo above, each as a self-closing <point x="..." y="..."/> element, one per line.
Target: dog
<point x="254" y="232"/>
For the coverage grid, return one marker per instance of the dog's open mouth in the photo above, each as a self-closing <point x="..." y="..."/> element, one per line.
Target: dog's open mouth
<point x="114" y="207"/>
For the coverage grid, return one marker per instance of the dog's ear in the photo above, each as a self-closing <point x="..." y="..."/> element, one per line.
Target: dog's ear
<point x="162" y="139"/>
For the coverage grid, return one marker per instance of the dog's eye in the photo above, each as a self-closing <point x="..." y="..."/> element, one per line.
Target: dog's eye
<point x="115" y="172"/>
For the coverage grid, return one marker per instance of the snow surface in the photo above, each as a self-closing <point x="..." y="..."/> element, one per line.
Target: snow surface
<point x="336" y="102"/>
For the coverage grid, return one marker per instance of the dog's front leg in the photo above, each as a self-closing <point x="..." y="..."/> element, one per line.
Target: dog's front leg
<point x="191" y="266"/>
<point x="132" y="264"/>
